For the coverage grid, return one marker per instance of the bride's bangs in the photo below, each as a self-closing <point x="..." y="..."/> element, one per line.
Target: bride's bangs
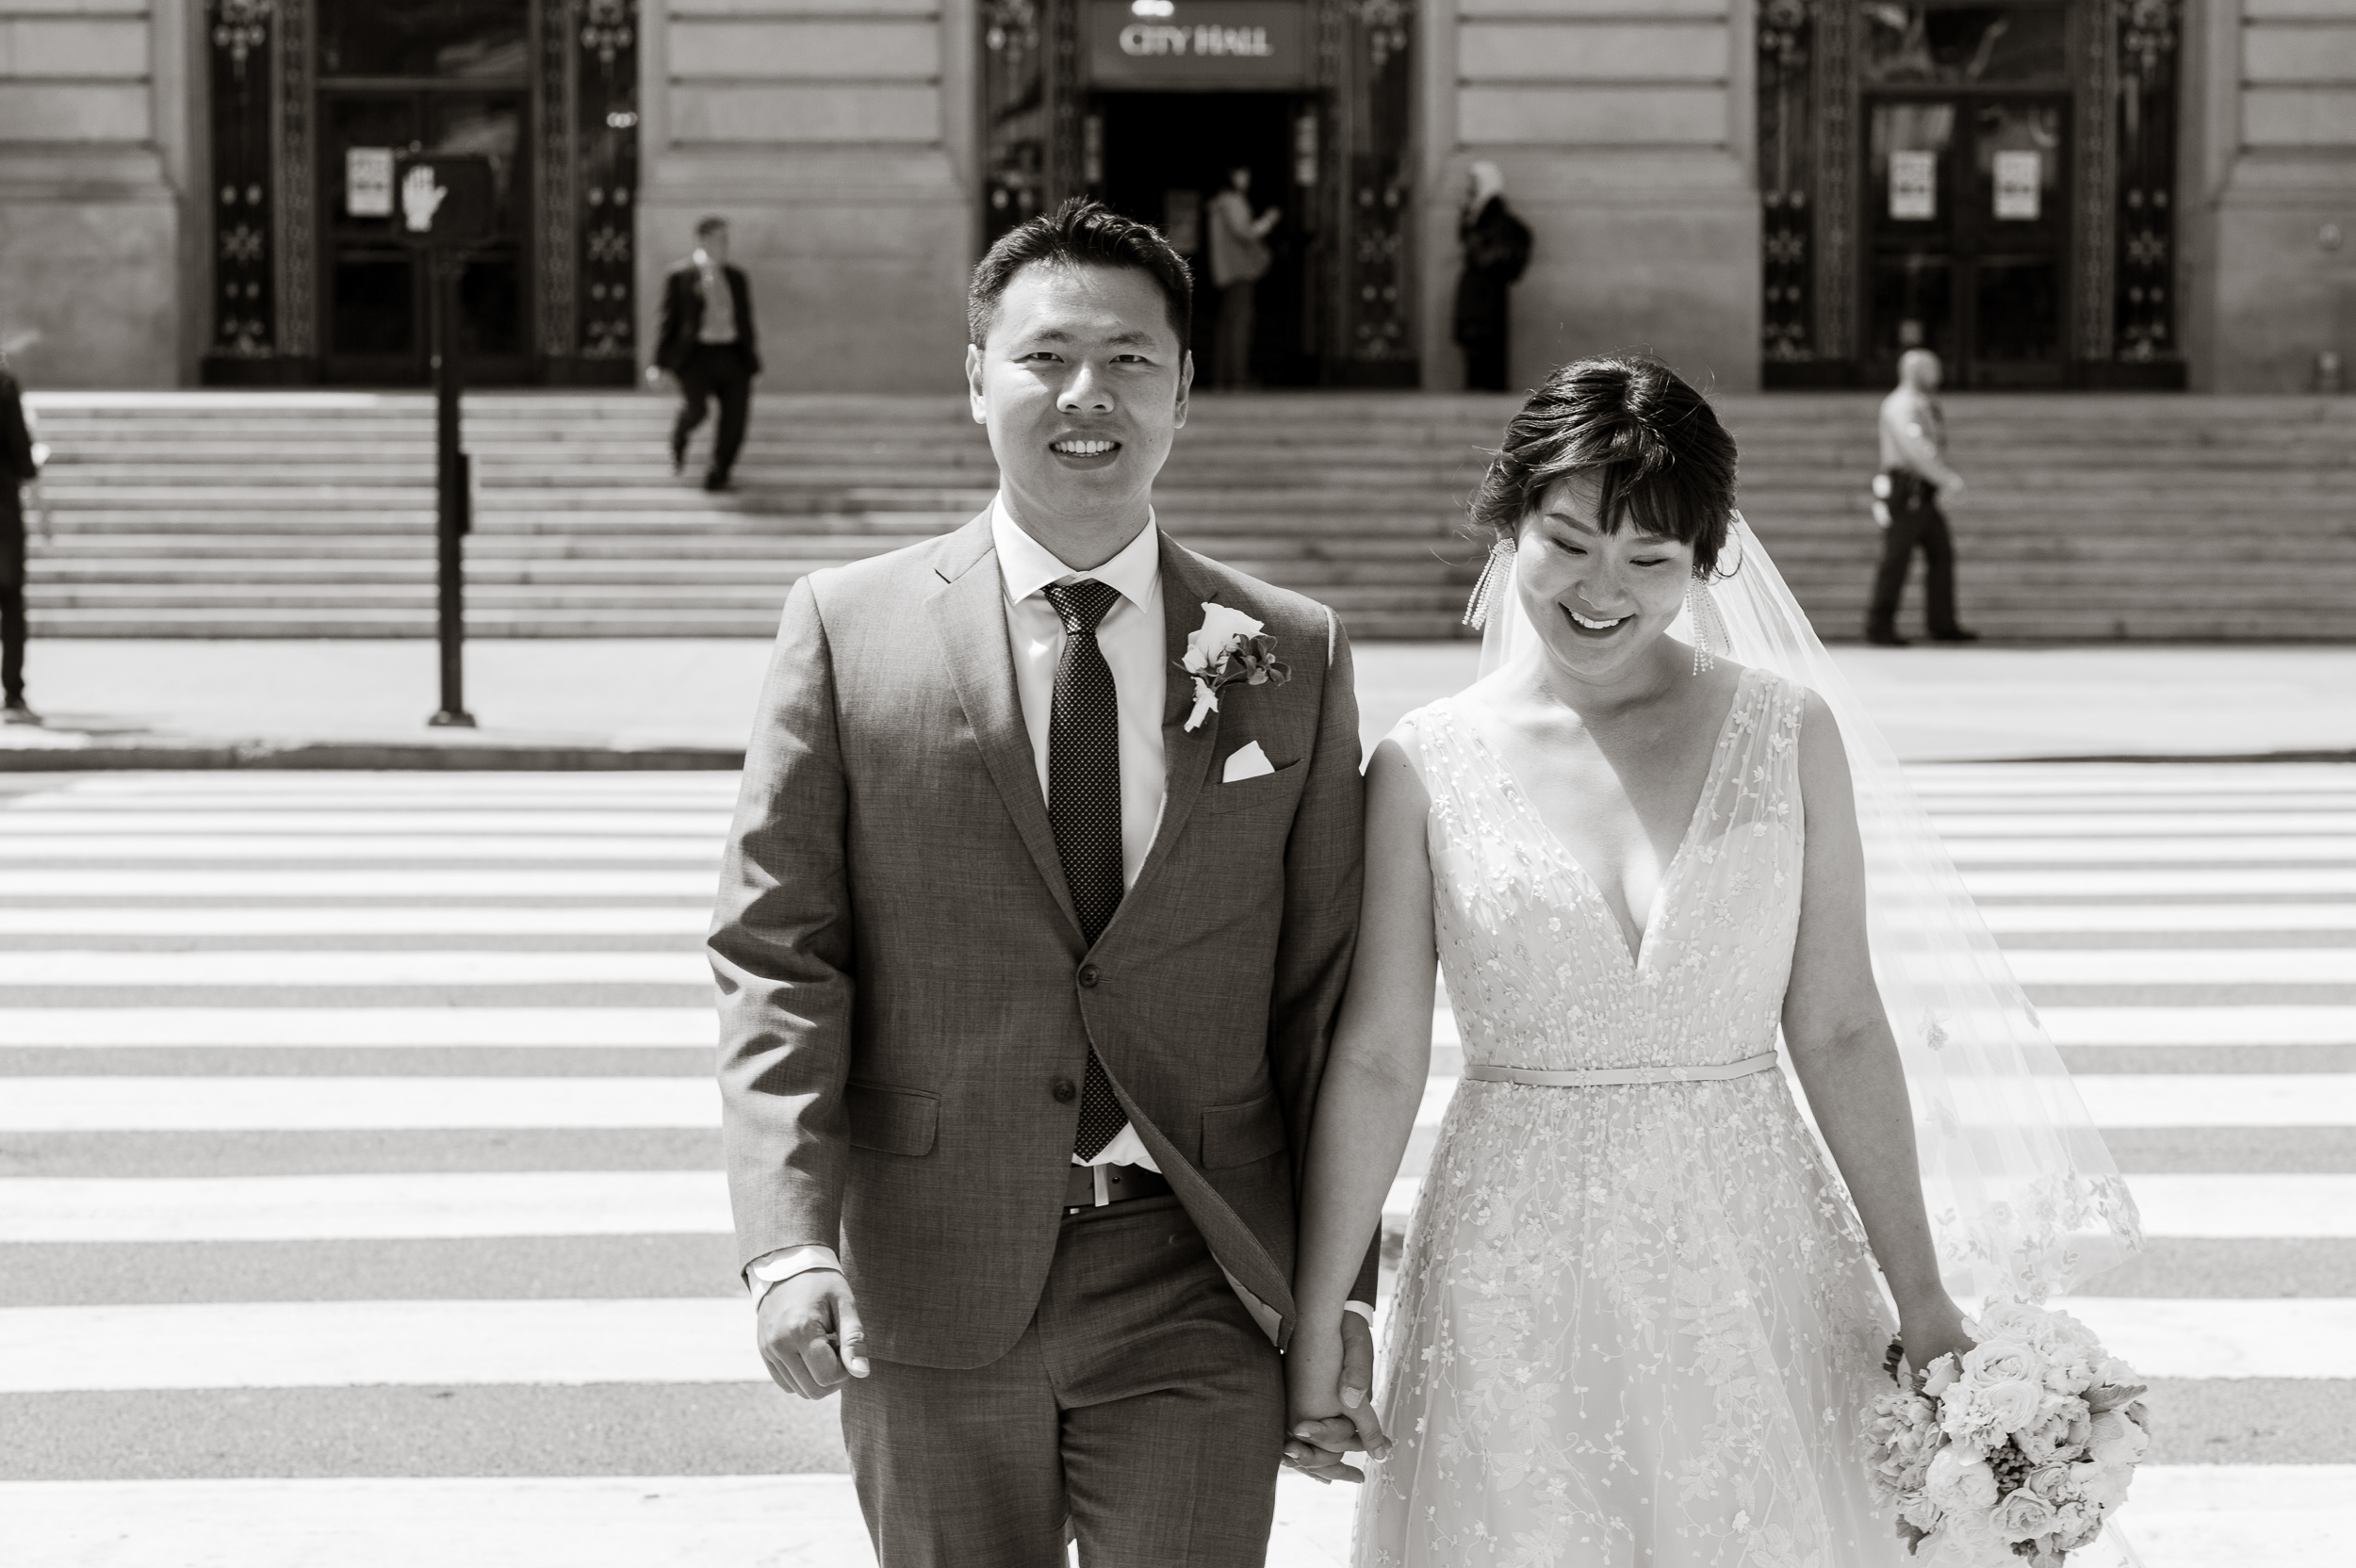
<point x="1662" y="459"/>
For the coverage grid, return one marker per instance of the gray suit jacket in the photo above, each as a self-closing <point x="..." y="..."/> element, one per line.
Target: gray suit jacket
<point x="903" y="982"/>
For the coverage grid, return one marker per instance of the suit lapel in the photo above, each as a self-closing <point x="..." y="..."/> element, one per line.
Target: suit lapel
<point x="970" y="617"/>
<point x="1185" y="756"/>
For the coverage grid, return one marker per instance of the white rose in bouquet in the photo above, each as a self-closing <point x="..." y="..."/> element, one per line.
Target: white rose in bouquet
<point x="2004" y="1361"/>
<point x="1960" y="1481"/>
<point x="2117" y="1441"/>
<point x="2023" y="1516"/>
<point x="2060" y="1425"/>
<point x="1990" y="1413"/>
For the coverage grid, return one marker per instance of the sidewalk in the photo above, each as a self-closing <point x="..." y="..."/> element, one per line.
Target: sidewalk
<point x="670" y="703"/>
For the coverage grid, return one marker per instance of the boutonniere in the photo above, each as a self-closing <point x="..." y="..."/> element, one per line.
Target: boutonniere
<point x="1228" y="649"/>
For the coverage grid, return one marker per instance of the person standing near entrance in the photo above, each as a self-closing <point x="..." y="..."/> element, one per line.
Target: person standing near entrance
<point x="708" y="342"/>
<point x="1497" y="252"/>
<point x="19" y="466"/>
<point x="1914" y="479"/>
<point x="1239" y="257"/>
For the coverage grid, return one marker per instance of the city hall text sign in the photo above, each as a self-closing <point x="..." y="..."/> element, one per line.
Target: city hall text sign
<point x="1208" y="45"/>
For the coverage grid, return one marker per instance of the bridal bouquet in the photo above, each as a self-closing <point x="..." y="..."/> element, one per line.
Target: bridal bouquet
<point x="2021" y="1449"/>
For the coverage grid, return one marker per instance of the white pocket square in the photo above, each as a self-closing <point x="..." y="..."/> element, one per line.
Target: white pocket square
<point x="1247" y="761"/>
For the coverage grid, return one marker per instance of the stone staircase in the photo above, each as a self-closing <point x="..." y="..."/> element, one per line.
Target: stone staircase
<point x="310" y="515"/>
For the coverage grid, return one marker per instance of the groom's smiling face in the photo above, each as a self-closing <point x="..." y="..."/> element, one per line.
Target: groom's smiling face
<point x="1083" y="383"/>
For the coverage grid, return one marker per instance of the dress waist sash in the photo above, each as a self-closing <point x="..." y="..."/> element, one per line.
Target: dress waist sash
<point x="1487" y="1074"/>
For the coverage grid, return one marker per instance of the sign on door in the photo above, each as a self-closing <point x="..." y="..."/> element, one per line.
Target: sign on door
<point x="369" y="181"/>
<point x="1913" y="185"/>
<point x="2020" y="182"/>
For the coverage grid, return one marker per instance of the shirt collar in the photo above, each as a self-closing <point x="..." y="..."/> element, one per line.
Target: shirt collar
<point x="1026" y="565"/>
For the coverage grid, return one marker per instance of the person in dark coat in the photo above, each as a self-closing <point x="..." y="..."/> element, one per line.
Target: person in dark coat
<point x="1497" y="252"/>
<point x="17" y="469"/>
<point x="708" y="343"/>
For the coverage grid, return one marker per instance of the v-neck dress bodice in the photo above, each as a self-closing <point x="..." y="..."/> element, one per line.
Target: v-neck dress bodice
<point x="1636" y="1322"/>
<point x="1537" y="965"/>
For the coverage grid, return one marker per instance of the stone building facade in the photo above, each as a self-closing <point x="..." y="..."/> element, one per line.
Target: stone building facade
<point x="1766" y="193"/>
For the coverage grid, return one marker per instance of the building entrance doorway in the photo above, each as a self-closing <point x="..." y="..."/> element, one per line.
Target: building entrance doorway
<point x="1167" y="157"/>
<point x="403" y="77"/>
<point x="1968" y="234"/>
<point x="1992" y="179"/>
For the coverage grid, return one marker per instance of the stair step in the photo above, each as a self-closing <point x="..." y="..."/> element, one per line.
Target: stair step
<point x="295" y="514"/>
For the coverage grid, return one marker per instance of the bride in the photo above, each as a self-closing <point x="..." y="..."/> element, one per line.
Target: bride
<point x="1640" y="1315"/>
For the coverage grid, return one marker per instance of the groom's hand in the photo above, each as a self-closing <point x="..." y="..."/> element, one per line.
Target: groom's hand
<point x="1316" y="1446"/>
<point x="810" y="1334"/>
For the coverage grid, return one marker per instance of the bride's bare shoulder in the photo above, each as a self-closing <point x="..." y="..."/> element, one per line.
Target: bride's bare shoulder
<point x="1398" y="758"/>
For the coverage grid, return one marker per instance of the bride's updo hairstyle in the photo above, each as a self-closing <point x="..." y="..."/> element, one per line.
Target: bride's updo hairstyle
<point x="1664" y="462"/>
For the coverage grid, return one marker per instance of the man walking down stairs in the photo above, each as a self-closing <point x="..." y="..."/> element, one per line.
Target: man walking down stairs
<point x="709" y="343"/>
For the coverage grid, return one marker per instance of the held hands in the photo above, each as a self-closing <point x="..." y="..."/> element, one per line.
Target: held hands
<point x="1330" y="1385"/>
<point x="810" y="1333"/>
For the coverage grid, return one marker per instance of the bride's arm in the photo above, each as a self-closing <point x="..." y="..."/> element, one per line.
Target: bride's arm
<point x="1847" y="1059"/>
<point x="1374" y="1078"/>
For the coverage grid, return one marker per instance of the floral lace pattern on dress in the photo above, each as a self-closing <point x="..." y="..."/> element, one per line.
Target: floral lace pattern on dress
<point x="1637" y="1325"/>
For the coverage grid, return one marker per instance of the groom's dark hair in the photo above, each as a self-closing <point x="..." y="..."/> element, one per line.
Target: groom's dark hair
<point x="1081" y="233"/>
<point x="1652" y="442"/>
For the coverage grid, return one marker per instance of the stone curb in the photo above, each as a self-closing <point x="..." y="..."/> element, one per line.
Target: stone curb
<point x="367" y="756"/>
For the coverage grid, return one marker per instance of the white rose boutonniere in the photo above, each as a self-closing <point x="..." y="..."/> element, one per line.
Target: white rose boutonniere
<point x="1228" y="649"/>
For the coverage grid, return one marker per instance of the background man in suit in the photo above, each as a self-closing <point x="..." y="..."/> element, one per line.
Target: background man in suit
<point x="18" y="468"/>
<point x="1026" y="984"/>
<point x="709" y="343"/>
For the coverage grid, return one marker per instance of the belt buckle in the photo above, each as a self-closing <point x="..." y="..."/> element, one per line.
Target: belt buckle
<point x="1101" y="1175"/>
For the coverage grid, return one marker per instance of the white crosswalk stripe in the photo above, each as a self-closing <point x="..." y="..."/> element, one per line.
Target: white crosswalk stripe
<point x="213" y="989"/>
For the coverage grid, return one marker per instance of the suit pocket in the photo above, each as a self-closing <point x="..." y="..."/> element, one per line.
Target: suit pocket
<point x="1245" y="793"/>
<point x="892" y="1121"/>
<point x="1240" y="1135"/>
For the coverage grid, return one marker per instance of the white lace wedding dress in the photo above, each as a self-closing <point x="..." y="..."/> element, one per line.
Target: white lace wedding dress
<point x="1636" y="1322"/>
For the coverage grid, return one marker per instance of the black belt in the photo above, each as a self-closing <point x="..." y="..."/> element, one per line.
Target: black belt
<point x="1122" y="1182"/>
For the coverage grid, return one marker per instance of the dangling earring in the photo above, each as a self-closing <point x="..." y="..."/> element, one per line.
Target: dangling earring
<point x="1495" y="573"/>
<point x="1701" y="614"/>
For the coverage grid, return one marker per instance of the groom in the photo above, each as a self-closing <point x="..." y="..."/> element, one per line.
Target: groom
<point x="1027" y="963"/>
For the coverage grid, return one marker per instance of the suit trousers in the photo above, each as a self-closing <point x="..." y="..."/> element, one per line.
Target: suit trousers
<point x="1914" y="520"/>
<point x="12" y="626"/>
<point x="1142" y="1405"/>
<point x="13" y="642"/>
<point x="709" y="370"/>
<point x="1484" y="364"/>
<point x="1231" y="352"/>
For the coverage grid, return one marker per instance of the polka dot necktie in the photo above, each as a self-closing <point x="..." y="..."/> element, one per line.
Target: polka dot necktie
<point x="1084" y="802"/>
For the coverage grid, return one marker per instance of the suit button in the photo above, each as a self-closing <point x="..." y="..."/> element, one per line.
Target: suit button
<point x="1088" y="975"/>
<point x="1065" y="1090"/>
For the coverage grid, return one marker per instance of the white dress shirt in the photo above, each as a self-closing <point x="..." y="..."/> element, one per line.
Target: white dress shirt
<point x="719" y="323"/>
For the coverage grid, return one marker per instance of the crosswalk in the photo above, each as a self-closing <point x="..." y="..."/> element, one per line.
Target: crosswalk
<point x="360" y="1193"/>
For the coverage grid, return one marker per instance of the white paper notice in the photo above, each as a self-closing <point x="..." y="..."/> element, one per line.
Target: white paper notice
<point x="1913" y="185"/>
<point x="2019" y="181"/>
<point x="369" y="181"/>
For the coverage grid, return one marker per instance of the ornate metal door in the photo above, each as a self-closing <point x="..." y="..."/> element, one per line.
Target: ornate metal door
<point x="2093" y="173"/>
<point x="574" y="65"/>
